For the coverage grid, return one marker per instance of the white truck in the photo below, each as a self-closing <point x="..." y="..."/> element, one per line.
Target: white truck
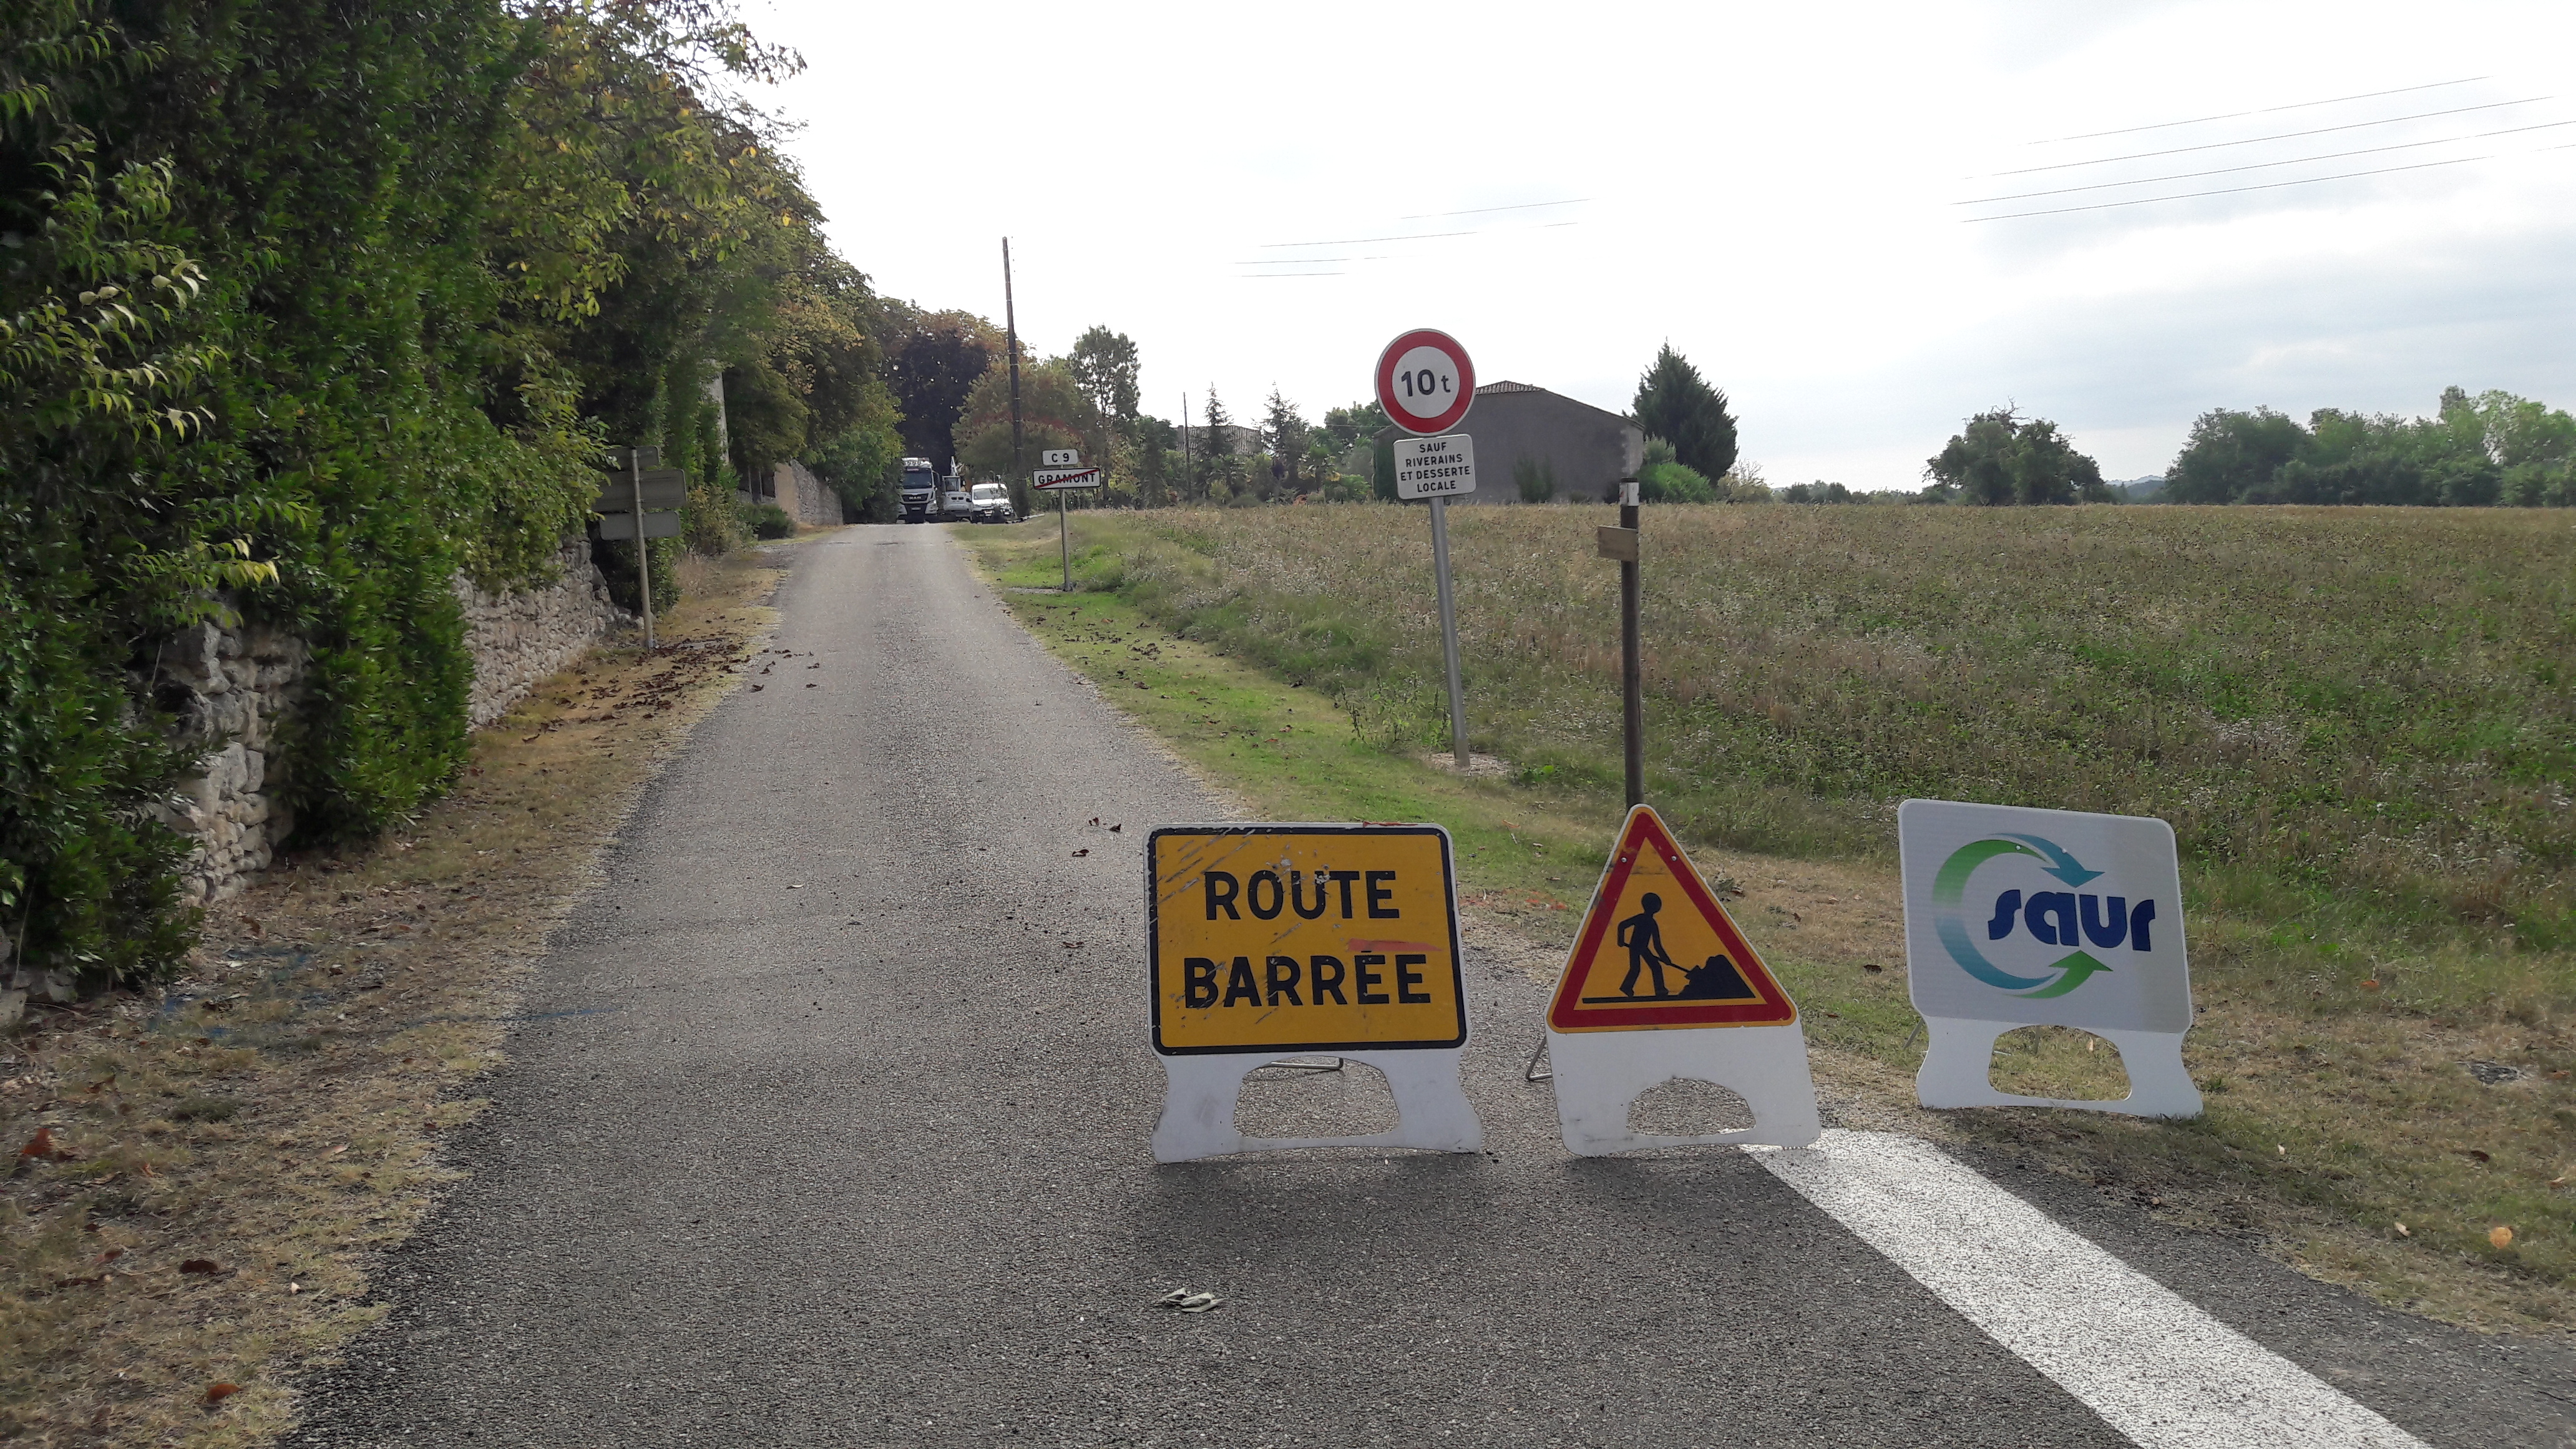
<point x="920" y="491"/>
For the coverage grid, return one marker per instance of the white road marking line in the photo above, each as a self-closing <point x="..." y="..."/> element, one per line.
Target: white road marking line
<point x="2149" y="1361"/>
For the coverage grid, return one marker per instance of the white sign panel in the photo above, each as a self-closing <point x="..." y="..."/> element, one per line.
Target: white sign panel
<point x="1435" y="467"/>
<point x="1052" y="480"/>
<point x="1059" y="458"/>
<point x="2018" y="917"/>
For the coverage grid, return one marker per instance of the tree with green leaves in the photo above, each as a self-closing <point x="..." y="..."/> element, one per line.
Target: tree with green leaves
<point x="1151" y="461"/>
<point x="1349" y="427"/>
<point x="1676" y="404"/>
<point x="1054" y="413"/>
<point x="2474" y="452"/>
<point x="2001" y="458"/>
<point x="1105" y="366"/>
<point x="310" y="312"/>
<point x="1283" y="432"/>
<point x="1217" y="467"/>
<point x="937" y="359"/>
<point x="2230" y="454"/>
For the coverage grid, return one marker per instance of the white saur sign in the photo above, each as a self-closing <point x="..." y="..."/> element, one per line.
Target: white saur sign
<point x="2017" y="917"/>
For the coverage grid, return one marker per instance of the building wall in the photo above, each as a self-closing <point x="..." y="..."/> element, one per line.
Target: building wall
<point x="1584" y="446"/>
<point x="806" y="498"/>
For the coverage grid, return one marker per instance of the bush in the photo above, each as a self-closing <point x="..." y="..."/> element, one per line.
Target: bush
<point x="1535" y="478"/>
<point x="616" y="562"/>
<point x="766" y="520"/>
<point x="1664" y="480"/>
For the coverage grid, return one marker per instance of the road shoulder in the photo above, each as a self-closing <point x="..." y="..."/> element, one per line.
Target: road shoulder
<point x="231" y="1157"/>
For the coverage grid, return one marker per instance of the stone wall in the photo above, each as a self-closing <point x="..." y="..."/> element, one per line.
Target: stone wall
<point x="234" y="685"/>
<point x="519" y="638"/>
<point x="806" y="498"/>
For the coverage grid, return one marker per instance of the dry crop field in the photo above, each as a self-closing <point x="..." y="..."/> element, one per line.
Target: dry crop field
<point x="2361" y="723"/>
<point x="2373" y="701"/>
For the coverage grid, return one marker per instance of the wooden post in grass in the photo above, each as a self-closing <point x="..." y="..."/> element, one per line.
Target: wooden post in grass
<point x="1632" y="695"/>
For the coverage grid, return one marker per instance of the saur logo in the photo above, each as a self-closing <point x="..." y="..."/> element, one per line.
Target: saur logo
<point x="2089" y="921"/>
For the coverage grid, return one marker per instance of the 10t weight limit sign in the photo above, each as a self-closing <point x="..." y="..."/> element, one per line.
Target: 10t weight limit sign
<point x="1425" y="381"/>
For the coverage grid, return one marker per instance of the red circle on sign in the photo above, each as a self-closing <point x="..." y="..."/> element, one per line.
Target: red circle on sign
<point x="1387" y="397"/>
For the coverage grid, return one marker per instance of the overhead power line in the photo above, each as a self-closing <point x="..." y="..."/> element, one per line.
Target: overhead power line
<point x="2264" y="165"/>
<point x="2259" y="140"/>
<point x="1415" y="236"/>
<point x="2265" y="111"/>
<point x="2232" y="190"/>
<point x="1481" y="210"/>
<point x="1352" y="241"/>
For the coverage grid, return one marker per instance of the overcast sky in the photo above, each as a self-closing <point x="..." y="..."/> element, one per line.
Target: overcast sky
<point x="1265" y="195"/>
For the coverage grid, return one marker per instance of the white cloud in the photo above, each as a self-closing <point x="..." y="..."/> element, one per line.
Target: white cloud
<point x="1770" y="188"/>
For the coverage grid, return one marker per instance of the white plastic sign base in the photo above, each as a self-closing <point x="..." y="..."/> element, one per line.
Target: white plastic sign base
<point x="1959" y="1060"/>
<point x="1201" y="1091"/>
<point x="1599" y="1075"/>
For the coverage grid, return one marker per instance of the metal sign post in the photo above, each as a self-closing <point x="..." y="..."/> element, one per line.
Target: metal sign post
<point x="641" y="503"/>
<point x="643" y="550"/>
<point x="1439" y="469"/>
<point x="1426" y="383"/>
<point x="1062" y="474"/>
<point x="1449" y="633"/>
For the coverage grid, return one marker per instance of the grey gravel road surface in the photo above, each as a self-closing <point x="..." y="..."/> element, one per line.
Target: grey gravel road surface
<point x="864" y="1161"/>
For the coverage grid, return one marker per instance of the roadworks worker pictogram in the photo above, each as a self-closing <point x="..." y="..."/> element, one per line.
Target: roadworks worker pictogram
<point x="1657" y="950"/>
<point x="1661" y="984"/>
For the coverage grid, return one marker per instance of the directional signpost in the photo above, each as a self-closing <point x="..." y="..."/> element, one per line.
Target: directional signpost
<point x="641" y="501"/>
<point x="1062" y="473"/>
<point x="1426" y="384"/>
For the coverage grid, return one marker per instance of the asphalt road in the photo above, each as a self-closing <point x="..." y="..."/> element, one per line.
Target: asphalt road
<point x="830" y="1127"/>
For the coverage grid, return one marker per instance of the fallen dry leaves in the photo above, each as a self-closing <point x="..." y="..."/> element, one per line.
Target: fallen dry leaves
<point x="250" y="1140"/>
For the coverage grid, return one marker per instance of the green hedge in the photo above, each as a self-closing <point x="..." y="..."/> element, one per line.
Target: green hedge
<point x="251" y="369"/>
<point x="309" y="308"/>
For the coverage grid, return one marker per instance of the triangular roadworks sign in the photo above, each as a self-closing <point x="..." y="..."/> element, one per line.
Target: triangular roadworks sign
<point x="1658" y="951"/>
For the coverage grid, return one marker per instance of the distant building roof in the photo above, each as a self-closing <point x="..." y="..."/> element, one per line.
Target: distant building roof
<point x="1495" y="388"/>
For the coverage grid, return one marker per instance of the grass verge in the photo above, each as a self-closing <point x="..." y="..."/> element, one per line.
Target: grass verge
<point x="2369" y="1121"/>
<point x="202" y="1179"/>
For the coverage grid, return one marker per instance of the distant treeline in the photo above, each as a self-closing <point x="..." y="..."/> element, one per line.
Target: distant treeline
<point x="2491" y="450"/>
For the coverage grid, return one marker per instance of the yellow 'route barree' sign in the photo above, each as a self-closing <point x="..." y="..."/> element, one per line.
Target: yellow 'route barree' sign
<point x="1303" y="938"/>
